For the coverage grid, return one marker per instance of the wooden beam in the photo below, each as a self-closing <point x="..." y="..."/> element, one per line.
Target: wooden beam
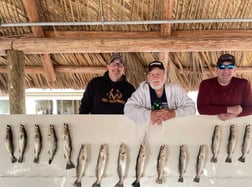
<point x="48" y="67"/>
<point x="183" y="42"/>
<point x="102" y="69"/>
<point x="16" y="88"/>
<point x="166" y="29"/>
<point x="32" y="14"/>
<point x="167" y="15"/>
<point x="61" y="69"/>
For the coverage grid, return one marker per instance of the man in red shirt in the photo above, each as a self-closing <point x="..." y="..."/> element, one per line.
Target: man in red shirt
<point x="225" y="95"/>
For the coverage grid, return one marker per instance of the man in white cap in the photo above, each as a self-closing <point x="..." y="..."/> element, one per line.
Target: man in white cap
<point x="156" y="100"/>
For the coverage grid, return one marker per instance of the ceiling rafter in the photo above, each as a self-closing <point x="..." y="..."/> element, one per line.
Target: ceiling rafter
<point x="165" y="30"/>
<point x="32" y="14"/>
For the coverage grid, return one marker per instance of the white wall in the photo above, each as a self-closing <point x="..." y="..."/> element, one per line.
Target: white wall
<point x="115" y="129"/>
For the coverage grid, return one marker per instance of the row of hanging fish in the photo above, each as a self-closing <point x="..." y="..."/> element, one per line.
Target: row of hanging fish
<point x="232" y="141"/>
<point x="122" y="161"/>
<point x="37" y="140"/>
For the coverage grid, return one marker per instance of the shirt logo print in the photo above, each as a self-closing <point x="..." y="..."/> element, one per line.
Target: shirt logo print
<point x="113" y="96"/>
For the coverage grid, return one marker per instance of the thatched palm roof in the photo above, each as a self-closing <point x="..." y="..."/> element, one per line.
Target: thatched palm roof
<point x="73" y="39"/>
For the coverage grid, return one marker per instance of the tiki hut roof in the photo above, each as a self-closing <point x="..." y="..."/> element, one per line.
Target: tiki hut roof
<point x="68" y="42"/>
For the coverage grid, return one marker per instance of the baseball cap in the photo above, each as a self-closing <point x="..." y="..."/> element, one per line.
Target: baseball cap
<point x="114" y="56"/>
<point x="157" y="64"/>
<point x="226" y="58"/>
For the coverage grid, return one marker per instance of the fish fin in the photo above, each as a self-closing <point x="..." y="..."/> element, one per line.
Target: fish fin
<point x="77" y="184"/>
<point x="196" y="179"/>
<point x="50" y="161"/>
<point x="181" y="179"/>
<point x="213" y="159"/>
<point x="241" y="159"/>
<point x="13" y="159"/>
<point x="135" y="183"/>
<point x="159" y="181"/>
<point x="70" y="165"/>
<point x="229" y="160"/>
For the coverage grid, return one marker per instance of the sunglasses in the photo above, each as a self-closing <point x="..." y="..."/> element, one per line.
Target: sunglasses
<point x="114" y="64"/>
<point x="229" y="66"/>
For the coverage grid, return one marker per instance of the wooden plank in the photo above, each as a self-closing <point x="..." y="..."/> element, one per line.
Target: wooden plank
<point x="172" y="44"/>
<point x="183" y="42"/>
<point x="167" y="15"/>
<point x="48" y="68"/>
<point x="16" y="87"/>
<point x="108" y="34"/>
<point x="101" y="69"/>
<point x="32" y="14"/>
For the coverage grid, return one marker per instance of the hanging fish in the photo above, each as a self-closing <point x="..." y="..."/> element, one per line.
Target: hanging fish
<point x="37" y="138"/>
<point x="231" y="143"/>
<point x="101" y="165"/>
<point x="201" y="158"/>
<point x="215" y="146"/>
<point x="182" y="162"/>
<point x="9" y="143"/>
<point x="245" y="144"/>
<point x="122" y="164"/>
<point x="67" y="145"/>
<point x="52" y="142"/>
<point x="22" y="142"/>
<point x="81" y="164"/>
<point x="161" y="160"/>
<point x="140" y="163"/>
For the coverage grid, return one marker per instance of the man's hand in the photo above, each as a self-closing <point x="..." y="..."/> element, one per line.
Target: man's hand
<point x="158" y="116"/>
<point x="226" y="116"/>
<point x="235" y="110"/>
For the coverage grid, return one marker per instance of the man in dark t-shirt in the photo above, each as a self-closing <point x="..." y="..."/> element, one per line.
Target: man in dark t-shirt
<point x="107" y="94"/>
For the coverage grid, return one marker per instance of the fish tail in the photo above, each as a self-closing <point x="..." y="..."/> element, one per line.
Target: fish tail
<point x="228" y="159"/>
<point x="196" y="179"/>
<point x="118" y="184"/>
<point x="159" y="180"/>
<point x="96" y="184"/>
<point x="241" y="159"/>
<point x="70" y="165"/>
<point x="180" y="179"/>
<point x="136" y="183"/>
<point x="13" y="159"/>
<point x="20" y="159"/>
<point x="213" y="159"/>
<point x="77" y="184"/>
<point x="36" y="160"/>
<point x="50" y="161"/>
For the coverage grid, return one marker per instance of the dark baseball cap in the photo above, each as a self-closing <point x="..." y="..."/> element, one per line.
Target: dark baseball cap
<point x="226" y="58"/>
<point x="157" y="64"/>
<point x="114" y="56"/>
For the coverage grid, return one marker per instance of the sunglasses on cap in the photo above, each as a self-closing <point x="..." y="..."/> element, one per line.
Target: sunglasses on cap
<point x="229" y="66"/>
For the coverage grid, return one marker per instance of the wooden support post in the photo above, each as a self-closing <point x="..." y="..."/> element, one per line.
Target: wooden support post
<point x="16" y="81"/>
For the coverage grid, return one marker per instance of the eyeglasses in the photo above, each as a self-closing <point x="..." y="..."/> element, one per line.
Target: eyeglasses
<point x="114" y="64"/>
<point x="229" y="66"/>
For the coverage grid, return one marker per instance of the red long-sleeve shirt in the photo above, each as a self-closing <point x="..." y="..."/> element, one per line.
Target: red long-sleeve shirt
<point x="213" y="98"/>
